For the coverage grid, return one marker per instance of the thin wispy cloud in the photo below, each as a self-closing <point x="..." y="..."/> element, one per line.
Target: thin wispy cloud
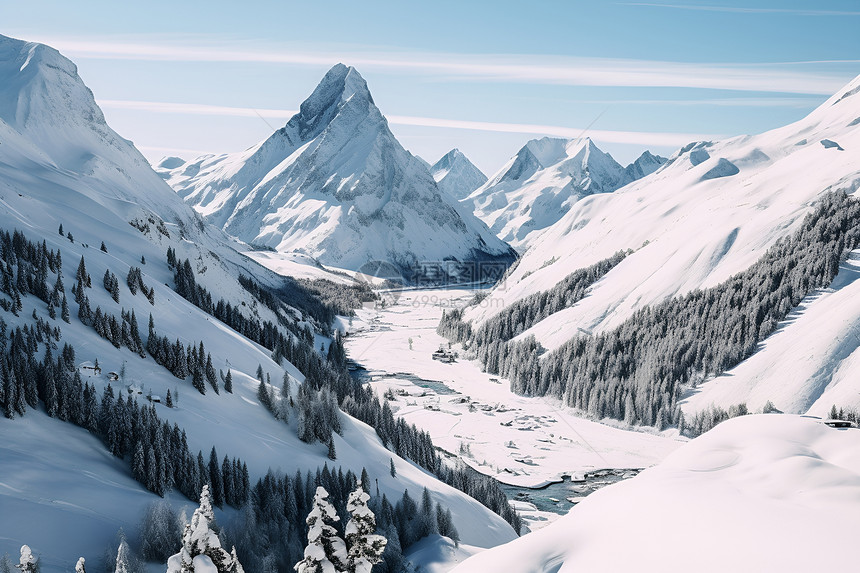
<point x="544" y="70"/>
<point x="745" y="9"/>
<point x="752" y="102"/>
<point x="195" y="109"/>
<point x="609" y="136"/>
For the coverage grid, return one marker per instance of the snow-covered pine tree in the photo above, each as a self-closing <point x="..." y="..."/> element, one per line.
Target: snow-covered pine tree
<point x="235" y="566"/>
<point x="365" y="547"/>
<point x="80" y="566"/>
<point x="326" y="551"/>
<point x="122" y="556"/>
<point x="201" y="549"/>
<point x="28" y="562"/>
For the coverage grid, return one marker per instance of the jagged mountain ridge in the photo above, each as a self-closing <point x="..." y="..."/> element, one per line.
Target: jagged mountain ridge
<point x="335" y="184"/>
<point x="543" y="180"/>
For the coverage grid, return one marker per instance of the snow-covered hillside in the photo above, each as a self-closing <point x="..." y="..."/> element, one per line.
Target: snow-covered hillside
<point x="757" y="493"/>
<point x="711" y="212"/>
<point x="456" y="175"/>
<point x="543" y="180"/>
<point x="61" y="165"/>
<point x="335" y="184"/>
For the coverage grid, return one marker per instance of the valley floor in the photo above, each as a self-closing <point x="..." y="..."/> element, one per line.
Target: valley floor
<point x="521" y="441"/>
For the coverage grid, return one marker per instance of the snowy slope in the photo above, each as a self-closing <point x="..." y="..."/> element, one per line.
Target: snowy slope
<point x="456" y="175"/>
<point x="809" y="364"/>
<point x="711" y="212"/>
<point x="757" y="493"/>
<point x="541" y="183"/>
<point x="61" y="164"/>
<point x="335" y="184"/>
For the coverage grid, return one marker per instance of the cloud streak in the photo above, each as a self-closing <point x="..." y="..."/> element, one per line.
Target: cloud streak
<point x="541" y="70"/>
<point x="609" y="136"/>
<point x="745" y="10"/>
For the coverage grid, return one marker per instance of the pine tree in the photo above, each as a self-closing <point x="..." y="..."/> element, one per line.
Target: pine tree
<point x="199" y="539"/>
<point x="263" y="395"/>
<point x="427" y="516"/>
<point x="64" y="312"/>
<point x="216" y="478"/>
<point x="445" y="524"/>
<point x="122" y="556"/>
<point x="365" y="547"/>
<point x="326" y="551"/>
<point x="392" y="470"/>
<point x="169" y="400"/>
<point x="332" y="453"/>
<point x="103" y="247"/>
<point x="228" y="382"/>
<point x="138" y="464"/>
<point x="80" y="566"/>
<point x="28" y="563"/>
<point x="211" y="377"/>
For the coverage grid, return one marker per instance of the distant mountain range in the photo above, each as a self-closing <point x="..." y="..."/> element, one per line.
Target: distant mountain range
<point x="543" y="180"/>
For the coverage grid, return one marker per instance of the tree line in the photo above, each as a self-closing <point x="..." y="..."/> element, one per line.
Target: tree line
<point x="316" y="421"/>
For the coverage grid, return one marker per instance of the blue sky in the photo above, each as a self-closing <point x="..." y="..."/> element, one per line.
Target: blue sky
<point x="183" y="78"/>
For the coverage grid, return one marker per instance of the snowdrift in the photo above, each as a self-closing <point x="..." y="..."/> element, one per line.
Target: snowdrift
<point x="757" y="493"/>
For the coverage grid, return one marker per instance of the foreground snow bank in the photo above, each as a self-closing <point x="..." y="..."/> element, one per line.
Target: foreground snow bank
<point x="757" y="493"/>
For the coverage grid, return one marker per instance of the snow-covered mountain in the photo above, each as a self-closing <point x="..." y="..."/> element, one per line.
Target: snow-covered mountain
<point x="456" y="175"/>
<point x="63" y="493"/>
<point x="50" y="121"/>
<point x="543" y="180"/>
<point x="645" y="164"/>
<point x="335" y="184"/>
<point x="758" y="493"/>
<point x="710" y="212"/>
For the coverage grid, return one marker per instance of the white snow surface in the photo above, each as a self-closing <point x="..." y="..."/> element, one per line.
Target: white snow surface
<point x="456" y="175"/>
<point x="543" y="181"/>
<point x="60" y="163"/>
<point x="690" y="228"/>
<point x="335" y="184"/>
<point x="437" y="554"/>
<point x="297" y="265"/>
<point x="758" y="493"/>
